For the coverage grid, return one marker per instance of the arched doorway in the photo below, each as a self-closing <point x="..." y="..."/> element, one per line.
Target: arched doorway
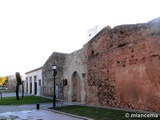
<point x="76" y="87"/>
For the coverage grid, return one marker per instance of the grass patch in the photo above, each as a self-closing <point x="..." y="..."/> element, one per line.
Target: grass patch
<point x="25" y="100"/>
<point x="96" y="113"/>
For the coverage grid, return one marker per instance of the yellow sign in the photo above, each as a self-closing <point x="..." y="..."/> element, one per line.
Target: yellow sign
<point x="3" y="80"/>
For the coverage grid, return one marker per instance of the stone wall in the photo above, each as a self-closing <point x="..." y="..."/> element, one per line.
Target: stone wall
<point x="123" y="66"/>
<point x="119" y="67"/>
<point x="68" y="65"/>
<point x="59" y="60"/>
<point x="12" y="82"/>
<point x="74" y="72"/>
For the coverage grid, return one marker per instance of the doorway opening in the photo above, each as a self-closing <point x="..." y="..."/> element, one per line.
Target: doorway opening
<point x="76" y="87"/>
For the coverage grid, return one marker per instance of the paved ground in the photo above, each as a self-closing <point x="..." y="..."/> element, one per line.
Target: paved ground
<point x="12" y="94"/>
<point x="11" y="108"/>
<point x="29" y="112"/>
<point x="35" y="115"/>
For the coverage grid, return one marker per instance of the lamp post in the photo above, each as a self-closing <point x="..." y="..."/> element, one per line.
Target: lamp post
<point x="54" y="73"/>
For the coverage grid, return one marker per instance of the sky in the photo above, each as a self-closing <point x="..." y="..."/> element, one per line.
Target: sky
<point x="30" y="30"/>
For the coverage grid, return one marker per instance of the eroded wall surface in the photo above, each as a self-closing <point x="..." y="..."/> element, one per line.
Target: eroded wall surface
<point x="123" y="66"/>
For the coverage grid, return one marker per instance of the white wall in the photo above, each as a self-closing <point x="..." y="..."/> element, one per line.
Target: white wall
<point x="33" y="73"/>
<point x="93" y="31"/>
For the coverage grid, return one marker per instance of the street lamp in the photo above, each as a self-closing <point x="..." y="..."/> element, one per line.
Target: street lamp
<point x="54" y="73"/>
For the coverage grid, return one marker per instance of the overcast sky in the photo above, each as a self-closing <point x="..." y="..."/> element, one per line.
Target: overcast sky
<point x="30" y="30"/>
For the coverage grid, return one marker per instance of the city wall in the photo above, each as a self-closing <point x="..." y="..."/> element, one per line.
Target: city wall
<point x="123" y="67"/>
<point x="119" y="67"/>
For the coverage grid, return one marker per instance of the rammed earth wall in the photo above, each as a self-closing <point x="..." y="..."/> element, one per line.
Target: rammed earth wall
<point x="119" y="67"/>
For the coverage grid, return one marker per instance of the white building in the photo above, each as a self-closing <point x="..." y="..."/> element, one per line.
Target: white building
<point x="93" y="31"/>
<point x="33" y="82"/>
